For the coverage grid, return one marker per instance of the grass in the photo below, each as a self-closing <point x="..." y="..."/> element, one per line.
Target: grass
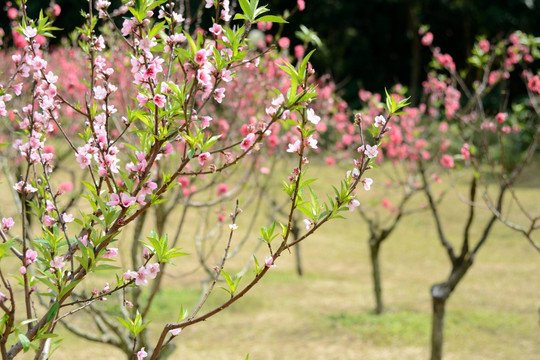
<point x="327" y="314"/>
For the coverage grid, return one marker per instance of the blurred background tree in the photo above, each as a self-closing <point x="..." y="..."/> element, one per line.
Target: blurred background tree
<point x="371" y="44"/>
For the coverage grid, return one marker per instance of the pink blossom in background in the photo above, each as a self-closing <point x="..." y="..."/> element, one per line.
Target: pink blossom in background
<point x="443" y="127"/>
<point x="447" y="161"/>
<point x="284" y="42"/>
<point x="301" y="5"/>
<point x="427" y="39"/>
<point x="222" y="189"/>
<point x="12" y="13"/>
<point x="534" y="83"/>
<point x="183" y="181"/>
<point x="308" y="224"/>
<point x="501" y="117"/>
<point x="484" y="45"/>
<point x="56" y="10"/>
<point x="65" y="187"/>
<point x="465" y="152"/>
<point x="299" y="51"/>
<point x="330" y="161"/>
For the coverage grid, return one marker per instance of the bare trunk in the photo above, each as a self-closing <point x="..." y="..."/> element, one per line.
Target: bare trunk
<point x="437" y="330"/>
<point x="295" y="231"/>
<point x="374" y="248"/>
<point x="298" y="254"/>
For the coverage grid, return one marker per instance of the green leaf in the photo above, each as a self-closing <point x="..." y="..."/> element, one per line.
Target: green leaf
<point x="272" y="18"/>
<point x="230" y="282"/>
<point x="51" y="314"/>
<point x="24" y="342"/>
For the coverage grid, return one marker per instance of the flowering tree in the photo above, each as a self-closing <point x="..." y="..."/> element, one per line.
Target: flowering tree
<point x="401" y="149"/>
<point x="490" y="135"/>
<point x="133" y="151"/>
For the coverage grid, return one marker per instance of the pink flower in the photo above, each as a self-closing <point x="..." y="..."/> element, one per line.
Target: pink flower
<point x="7" y="223"/>
<point x="353" y="204"/>
<point x="314" y="119"/>
<point x="269" y="261"/>
<point x="301" y="5"/>
<point x="371" y="151"/>
<point x="48" y="221"/>
<point x="159" y="100"/>
<point x="379" y="120"/>
<point x="294" y="148"/>
<point x="216" y="29"/>
<point x="367" y="183"/>
<point x="175" y="332"/>
<point x="110" y="253"/>
<point x="30" y="256"/>
<point x="22" y="270"/>
<point x="114" y="200"/>
<point x="139" y="276"/>
<point x="67" y="218"/>
<point x="308" y="224"/>
<point x="29" y="32"/>
<point x="204" y="158"/>
<point x="127" y="200"/>
<point x="200" y="56"/>
<point x="427" y="39"/>
<point x="152" y="270"/>
<point x="219" y="94"/>
<point x="57" y="262"/>
<point x="248" y="141"/>
<point x="141" y="354"/>
<point x="447" y="161"/>
<point x="311" y="142"/>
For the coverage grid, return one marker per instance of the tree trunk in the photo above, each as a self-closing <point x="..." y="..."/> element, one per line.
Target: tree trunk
<point x="298" y="254"/>
<point x="439" y="295"/>
<point x="295" y="231"/>
<point x="374" y="248"/>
